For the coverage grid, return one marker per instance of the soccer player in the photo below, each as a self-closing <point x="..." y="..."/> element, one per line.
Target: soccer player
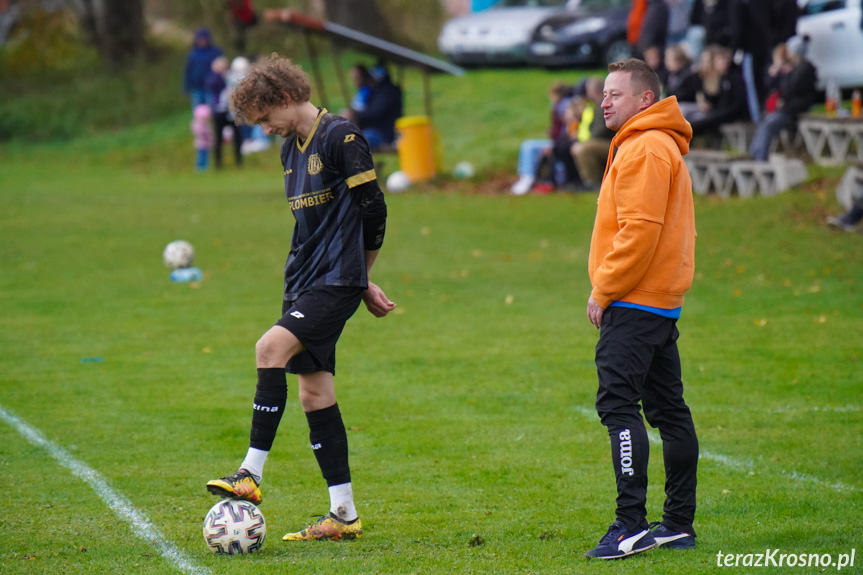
<point x="340" y="215"/>
<point x="641" y="262"/>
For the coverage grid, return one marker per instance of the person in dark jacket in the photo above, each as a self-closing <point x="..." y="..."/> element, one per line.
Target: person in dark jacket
<point x="383" y="108"/>
<point x="714" y="17"/>
<point x="796" y="95"/>
<point x="647" y="25"/>
<point x="752" y="33"/>
<point x="729" y="103"/>
<point x="199" y="62"/>
<point x="217" y="86"/>
<point x="681" y="80"/>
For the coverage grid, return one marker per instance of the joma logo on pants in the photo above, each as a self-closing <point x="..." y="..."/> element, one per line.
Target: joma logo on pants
<point x="626" y="452"/>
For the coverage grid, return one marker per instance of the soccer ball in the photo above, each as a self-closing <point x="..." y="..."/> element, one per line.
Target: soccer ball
<point x="464" y="170"/>
<point x="234" y="528"/>
<point x="178" y="254"/>
<point x="398" y="182"/>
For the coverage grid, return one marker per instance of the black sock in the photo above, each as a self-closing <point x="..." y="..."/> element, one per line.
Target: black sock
<point x="330" y="443"/>
<point x="271" y="396"/>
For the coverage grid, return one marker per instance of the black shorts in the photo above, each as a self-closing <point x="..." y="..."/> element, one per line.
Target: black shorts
<point x="317" y="318"/>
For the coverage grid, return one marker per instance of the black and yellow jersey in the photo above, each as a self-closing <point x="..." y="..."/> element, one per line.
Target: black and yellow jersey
<point x="322" y="176"/>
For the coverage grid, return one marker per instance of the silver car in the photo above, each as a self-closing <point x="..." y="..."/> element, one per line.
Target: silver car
<point x="499" y="35"/>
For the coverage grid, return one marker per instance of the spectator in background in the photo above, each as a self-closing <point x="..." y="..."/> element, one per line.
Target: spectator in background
<point x="203" y="136"/>
<point x="680" y="80"/>
<point x="654" y="58"/>
<point x="710" y="79"/>
<point x="751" y="35"/>
<point x="383" y="108"/>
<point x="779" y="67"/>
<point x="217" y="86"/>
<point x="198" y="62"/>
<point x="254" y="138"/>
<point x="647" y="25"/>
<point x="594" y="137"/>
<point x="783" y="20"/>
<point x="850" y="220"/>
<point x="728" y="104"/>
<point x="364" y="83"/>
<point x="678" y="19"/>
<point x="568" y="177"/>
<point x="243" y="17"/>
<point x="714" y="17"/>
<point x="531" y="151"/>
<point x="796" y="95"/>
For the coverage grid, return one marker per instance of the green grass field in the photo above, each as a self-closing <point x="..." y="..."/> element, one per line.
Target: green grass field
<point x="474" y="444"/>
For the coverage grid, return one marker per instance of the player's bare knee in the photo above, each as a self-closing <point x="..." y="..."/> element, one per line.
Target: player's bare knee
<point x="312" y="399"/>
<point x="269" y="354"/>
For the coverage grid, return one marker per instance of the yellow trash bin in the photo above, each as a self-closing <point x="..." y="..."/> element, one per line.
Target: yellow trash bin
<point x="415" y="146"/>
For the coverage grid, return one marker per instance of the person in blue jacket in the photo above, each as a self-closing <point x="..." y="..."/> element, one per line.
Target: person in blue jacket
<point x="383" y="108"/>
<point x="198" y="67"/>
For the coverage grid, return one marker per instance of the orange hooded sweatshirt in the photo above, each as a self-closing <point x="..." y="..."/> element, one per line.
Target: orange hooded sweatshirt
<point x="643" y="246"/>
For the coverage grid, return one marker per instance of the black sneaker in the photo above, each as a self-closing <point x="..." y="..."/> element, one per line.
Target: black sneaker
<point x="620" y="542"/>
<point x="840" y="223"/>
<point x="669" y="539"/>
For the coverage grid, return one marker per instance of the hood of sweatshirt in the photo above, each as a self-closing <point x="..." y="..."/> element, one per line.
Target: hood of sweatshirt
<point x="664" y="116"/>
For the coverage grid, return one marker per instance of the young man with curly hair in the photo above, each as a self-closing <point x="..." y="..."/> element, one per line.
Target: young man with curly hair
<point x="340" y="214"/>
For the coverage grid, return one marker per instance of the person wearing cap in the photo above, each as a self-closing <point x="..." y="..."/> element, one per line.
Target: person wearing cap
<point x="796" y="95"/>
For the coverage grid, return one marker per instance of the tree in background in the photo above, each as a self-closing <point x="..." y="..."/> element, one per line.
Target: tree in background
<point x="116" y="28"/>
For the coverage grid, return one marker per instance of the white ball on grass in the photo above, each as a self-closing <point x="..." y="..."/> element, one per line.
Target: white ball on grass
<point x="234" y="528"/>
<point x="398" y="182"/>
<point x="178" y="254"/>
<point x="464" y="170"/>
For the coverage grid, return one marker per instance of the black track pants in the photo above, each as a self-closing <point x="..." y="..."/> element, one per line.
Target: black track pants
<point x="638" y="366"/>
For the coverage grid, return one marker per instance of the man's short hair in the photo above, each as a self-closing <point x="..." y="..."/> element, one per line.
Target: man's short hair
<point x="266" y="85"/>
<point x="642" y="76"/>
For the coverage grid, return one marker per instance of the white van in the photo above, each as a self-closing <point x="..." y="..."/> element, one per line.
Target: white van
<point x="835" y="30"/>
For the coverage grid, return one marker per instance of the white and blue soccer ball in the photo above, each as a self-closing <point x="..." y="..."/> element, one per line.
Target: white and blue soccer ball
<point x="178" y="254"/>
<point x="398" y="182"/>
<point x="464" y="170"/>
<point x="234" y="528"/>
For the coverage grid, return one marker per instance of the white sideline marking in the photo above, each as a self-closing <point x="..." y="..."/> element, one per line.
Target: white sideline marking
<point x="734" y="463"/>
<point x="118" y="503"/>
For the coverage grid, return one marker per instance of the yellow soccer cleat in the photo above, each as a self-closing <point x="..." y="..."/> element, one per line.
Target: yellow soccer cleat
<point x="240" y="485"/>
<point x="328" y="527"/>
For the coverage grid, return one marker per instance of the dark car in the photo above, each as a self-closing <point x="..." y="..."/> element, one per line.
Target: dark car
<point x="592" y="34"/>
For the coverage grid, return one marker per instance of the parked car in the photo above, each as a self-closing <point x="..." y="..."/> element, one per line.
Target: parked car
<point x="592" y="34"/>
<point x="835" y="31"/>
<point x="498" y="35"/>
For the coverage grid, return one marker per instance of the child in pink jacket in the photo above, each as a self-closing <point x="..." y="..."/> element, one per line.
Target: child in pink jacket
<point x="203" y="132"/>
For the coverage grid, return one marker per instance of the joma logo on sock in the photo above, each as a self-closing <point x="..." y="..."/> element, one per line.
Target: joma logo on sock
<point x="273" y="409"/>
<point x="316" y="446"/>
<point x="626" y="453"/>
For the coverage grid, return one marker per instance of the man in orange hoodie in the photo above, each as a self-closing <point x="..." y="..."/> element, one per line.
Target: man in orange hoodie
<point x="641" y="263"/>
